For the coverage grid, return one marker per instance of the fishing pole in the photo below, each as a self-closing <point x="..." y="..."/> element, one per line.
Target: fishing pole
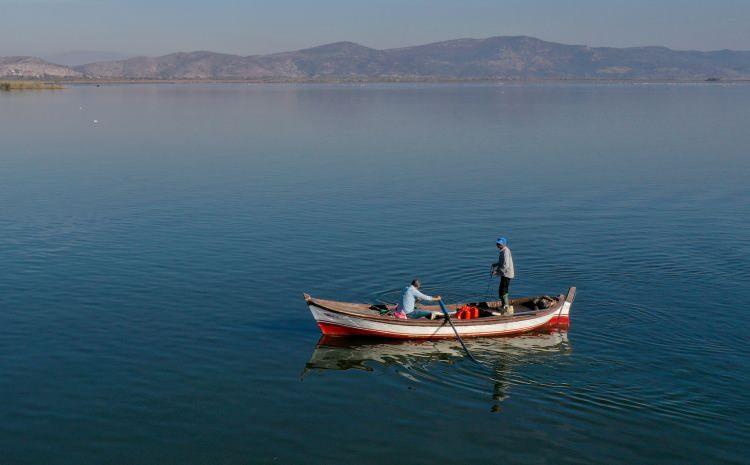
<point x="487" y="291"/>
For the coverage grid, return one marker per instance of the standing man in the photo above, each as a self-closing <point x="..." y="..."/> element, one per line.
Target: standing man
<point x="504" y="268"/>
<point x="409" y="297"/>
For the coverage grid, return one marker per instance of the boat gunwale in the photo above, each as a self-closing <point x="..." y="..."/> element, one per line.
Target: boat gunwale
<point x="491" y="320"/>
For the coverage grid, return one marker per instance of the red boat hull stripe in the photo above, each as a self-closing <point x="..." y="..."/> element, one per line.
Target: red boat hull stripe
<point x="333" y="329"/>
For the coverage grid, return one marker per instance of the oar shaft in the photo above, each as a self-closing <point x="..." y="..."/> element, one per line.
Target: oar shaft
<point x="448" y="319"/>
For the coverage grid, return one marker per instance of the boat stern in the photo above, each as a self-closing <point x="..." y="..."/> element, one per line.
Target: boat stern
<point x="562" y="319"/>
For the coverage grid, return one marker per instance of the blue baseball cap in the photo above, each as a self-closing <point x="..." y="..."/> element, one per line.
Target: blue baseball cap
<point x="501" y="241"/>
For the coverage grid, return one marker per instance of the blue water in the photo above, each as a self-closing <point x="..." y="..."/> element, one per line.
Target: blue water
<point x="152" y="265"/>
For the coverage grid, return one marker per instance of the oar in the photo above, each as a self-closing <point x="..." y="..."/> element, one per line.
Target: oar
<point x="448" y="319"/>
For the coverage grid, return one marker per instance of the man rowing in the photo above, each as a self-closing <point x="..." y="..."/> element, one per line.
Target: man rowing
<point x="409" y="297"/>
<point x="504" y="268"/>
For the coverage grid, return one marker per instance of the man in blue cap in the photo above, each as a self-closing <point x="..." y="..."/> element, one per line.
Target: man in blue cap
<point x="504" y="268"/>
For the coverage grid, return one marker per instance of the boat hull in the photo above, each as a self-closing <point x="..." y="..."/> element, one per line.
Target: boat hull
<point x="336" y="323"/>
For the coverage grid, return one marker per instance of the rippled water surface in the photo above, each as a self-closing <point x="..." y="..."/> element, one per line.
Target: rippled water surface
<point x="155" y="242"/>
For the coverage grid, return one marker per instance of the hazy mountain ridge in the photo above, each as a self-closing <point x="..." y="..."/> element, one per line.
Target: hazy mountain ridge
<point x="516" y="57"/>
<point x="32" y="67"/>
<point x="82" y="57"/>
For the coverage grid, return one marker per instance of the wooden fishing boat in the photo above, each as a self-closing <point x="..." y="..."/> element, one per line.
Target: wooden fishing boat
<point x="360" y="319"/>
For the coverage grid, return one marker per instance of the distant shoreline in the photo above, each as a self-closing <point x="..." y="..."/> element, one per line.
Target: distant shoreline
<point x="11" y="85"/>
<point x="394" y="81"/>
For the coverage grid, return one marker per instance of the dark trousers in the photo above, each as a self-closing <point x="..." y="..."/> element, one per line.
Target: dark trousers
<point x="504" y="286"/>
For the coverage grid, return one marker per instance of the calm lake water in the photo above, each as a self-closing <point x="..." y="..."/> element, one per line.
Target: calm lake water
<point x="155" y="242"/>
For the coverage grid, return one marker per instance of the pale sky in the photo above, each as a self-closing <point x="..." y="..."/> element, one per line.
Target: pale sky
<point x="154" y="27"/>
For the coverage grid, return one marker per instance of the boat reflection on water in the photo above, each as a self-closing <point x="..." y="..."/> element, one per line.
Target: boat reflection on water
<point x="498" y="354"/>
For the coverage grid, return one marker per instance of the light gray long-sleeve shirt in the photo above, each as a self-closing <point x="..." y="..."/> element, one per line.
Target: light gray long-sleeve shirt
<point x="504" y="265"/>
<point x="409" y="296"/>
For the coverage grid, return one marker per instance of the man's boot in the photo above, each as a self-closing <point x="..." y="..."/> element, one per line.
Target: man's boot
<point x="507" y="307"/>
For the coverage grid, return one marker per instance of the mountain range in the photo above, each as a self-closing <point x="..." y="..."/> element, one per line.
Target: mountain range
<point x="495" y="58"/>
<point x="82" y="57"/>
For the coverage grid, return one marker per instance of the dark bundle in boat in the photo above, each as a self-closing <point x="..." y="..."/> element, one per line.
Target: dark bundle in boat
<point x="542" y="302"/>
